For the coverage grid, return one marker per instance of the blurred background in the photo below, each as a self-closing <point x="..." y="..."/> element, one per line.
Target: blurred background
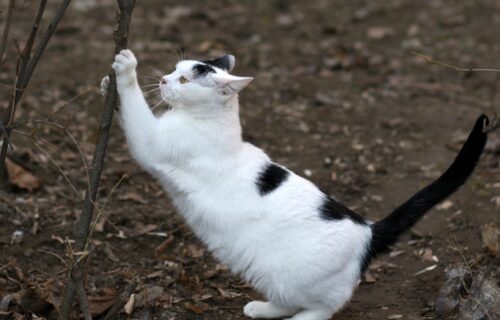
<point x="339" y="96"/>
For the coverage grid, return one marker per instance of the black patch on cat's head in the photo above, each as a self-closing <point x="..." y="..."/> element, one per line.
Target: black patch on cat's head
<point x="225" y="62"/>
<point x="333" y="210"/>
<point x="271" y="178"/>
<point x="201" y="70"/>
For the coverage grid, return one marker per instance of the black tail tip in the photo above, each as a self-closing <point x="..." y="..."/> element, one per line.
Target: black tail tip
<point x="481" y="123"/>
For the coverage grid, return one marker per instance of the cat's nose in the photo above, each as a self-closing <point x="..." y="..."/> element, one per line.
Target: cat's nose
<point x="163" y="81"/>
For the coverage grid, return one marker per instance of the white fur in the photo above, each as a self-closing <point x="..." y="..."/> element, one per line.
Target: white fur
<point x="305" y="266"/>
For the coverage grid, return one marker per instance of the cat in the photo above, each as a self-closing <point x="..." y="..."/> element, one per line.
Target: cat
<point x="303" y="250"/>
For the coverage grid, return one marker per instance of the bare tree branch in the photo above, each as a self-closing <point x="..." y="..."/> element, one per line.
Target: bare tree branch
<point x="26" y="67"/>
<point x="83" y="229"/>
<point x="6" y="28"/>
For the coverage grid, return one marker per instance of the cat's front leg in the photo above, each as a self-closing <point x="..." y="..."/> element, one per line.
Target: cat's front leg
<point x="138" y="122"/>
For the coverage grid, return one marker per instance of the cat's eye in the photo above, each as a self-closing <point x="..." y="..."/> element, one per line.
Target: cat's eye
<point x="183" y="80"/>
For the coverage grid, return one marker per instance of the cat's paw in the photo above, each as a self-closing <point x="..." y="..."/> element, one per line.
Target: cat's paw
<point x="254" y="309"/>
<point x="104" y="86"/>
<point x="266" y="310"/>
<point x="124" y="66"/>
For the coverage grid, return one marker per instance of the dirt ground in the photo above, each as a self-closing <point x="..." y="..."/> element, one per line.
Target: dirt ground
<point x="338" y="96"/>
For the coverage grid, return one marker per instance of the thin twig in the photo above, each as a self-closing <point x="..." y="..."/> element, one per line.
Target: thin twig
<point x="121" y="301"/>
<point x="6" y="28"/>
<point x="65" y="104"/>
<point x="83" y="228"/>
<point x="77" y="279"/>
<point x="27" y="68"/>
<point x="452" y="67"/>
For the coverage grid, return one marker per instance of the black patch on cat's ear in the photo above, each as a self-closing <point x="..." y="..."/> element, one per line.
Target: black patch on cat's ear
<point x="225" y="62"/>
<point x="271" y="178"/>
<point x="201" y="70"/>
<point x="333" y="210"/>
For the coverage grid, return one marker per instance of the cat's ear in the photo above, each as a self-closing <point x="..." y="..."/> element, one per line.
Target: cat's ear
<point x="229" y="83"/>
<point x="225" y="62"/>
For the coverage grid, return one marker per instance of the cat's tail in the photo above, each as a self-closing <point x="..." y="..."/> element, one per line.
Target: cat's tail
<point x="386" y="231"/>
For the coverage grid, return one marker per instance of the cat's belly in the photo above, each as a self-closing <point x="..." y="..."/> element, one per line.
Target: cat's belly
<point x="289" y="262"/>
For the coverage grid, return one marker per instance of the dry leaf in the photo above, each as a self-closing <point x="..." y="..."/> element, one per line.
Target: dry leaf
<point x="20" y="177"/>
<point x="428" y="256"/>
<point x="129" y="306"/>
<point x="163" y="246"/>
<point x="99" y="305"/>
<point x="148" y="296"/>
<point x="195" y="308"/>
<point x="430" y="268"/>
<point x="445" y="205"/>
<point x="133" y="197"/>
<point x="193" y="251"/>
<point x="378" y="33"/>
<point x="228" y="293"/>
<point x="35" y="300"/>
<point x="369" y="278"/>
<point x="490" y="234"/>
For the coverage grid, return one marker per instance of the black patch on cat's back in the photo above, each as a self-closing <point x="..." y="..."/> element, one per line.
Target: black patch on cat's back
<point x="201" y="70"/>
<point x="334" y="210"/>
<point x="271" y="178"/>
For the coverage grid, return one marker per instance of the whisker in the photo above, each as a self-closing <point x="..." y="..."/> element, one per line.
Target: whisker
<point x="152" y="90"/>
<point x="156" y="71"/>
<point x="149" y="85"/>
<point x="150" y="77"/>
<point x="157" y="105"/>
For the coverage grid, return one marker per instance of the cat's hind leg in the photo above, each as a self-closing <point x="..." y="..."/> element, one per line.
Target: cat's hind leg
<point x="322" y="313"/>
<point x="266" y="310"/>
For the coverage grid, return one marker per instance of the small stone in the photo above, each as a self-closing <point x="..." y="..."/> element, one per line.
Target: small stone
<point x="378" y="33"/>
<point x="395" y="316"/>
<point x="307" y="172"/>
<point x="334" y="177"/>
<point x="17" y="237"/>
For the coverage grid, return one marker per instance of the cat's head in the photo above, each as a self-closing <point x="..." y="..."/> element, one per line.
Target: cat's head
<point x="196" y="82"/>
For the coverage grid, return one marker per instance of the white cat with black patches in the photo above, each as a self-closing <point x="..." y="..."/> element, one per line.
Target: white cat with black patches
<point x="304" y="251"/>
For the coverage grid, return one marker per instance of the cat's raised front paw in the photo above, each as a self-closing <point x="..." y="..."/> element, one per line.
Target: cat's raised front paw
<point x="124" y="66"/>
<point x="104" y="86"/>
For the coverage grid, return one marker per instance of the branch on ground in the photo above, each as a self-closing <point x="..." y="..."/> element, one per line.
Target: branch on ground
<point x="429" y="59"/>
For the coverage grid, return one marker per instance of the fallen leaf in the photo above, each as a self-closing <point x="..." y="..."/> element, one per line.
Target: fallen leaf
<point x="428" y="256"/>
<point x="129" y="306"/>
<point x="35" y="300"/>
<point x="369" y="278"/>
<point x="100" y="304"/>
<point x="148" y="296"/>
<point x="20" y="177"/>
<point x="163" y="246"/>
<point x="155" y="274"/>
<point x="430" y="268"/>
<point x="195" y="308"/>
<point x="229" y="294"/>
<point x="445" y="205"/>
<point x="193" y="251"/>
<point x="490" y="235"/>
<point x="133" y="197"/>
<point x="378" y="33"/>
